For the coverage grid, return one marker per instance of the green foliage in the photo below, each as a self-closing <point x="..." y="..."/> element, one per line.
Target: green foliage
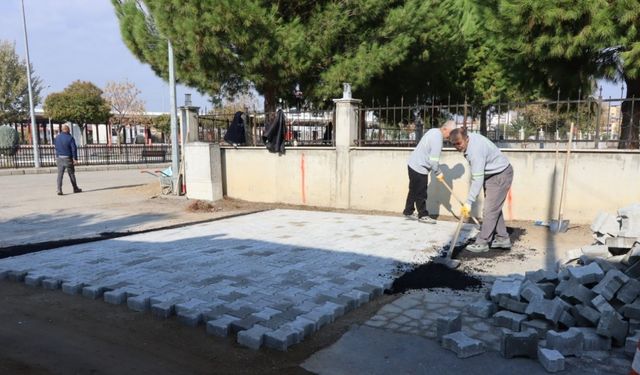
<point x="80" y="103"/>
<point x="163" y="124"/>
<point x="14" y="88"/>
<point x="9" y="140"/>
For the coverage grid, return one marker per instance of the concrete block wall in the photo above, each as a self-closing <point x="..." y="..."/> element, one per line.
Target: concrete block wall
<point x="597" y="180"/>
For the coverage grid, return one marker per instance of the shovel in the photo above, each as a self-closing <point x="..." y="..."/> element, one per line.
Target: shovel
<point x="459" y="200"/>
<point x="562" y="225"/>
<point x="445" y="258"/>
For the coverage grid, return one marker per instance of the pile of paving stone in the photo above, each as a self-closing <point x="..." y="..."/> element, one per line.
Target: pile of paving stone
<point x="617" y="241"/>
<point x="593" y="305"/>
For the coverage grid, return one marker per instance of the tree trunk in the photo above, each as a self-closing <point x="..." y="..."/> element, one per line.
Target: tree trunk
<point x="270" y="100"/>
<point x="630" y="121"/>
<point x="483" y="120"/>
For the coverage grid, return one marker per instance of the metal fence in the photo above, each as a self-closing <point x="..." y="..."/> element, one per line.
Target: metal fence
<point x="598" y="122"/>
<point x="303" y="128"/>
<point x="98" y="154"/>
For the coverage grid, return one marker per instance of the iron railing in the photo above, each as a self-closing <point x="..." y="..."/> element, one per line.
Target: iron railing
<point x="303" y="128"/>
<point x="598" y="122"/>
<point x="98" y="154"/>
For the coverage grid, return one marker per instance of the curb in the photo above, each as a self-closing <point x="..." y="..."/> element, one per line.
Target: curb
<point x="82" y="168"/>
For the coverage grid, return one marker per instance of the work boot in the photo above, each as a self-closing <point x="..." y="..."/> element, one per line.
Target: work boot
<point x="60" y="193"/>
<point x="426" y="220"/>
<point x="478" y="248"/>
<point x="411" y="217"/>
<point x="504" y="243"/>
<point x="77" y="190"/>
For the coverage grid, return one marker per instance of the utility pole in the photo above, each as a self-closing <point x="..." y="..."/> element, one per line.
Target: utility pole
<point x="174" y="124"/>
<point x="34" y="131"/>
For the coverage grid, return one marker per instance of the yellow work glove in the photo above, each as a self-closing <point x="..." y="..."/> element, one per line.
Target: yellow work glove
<point x="465" y="210"/>
<point x="440" y="177"/>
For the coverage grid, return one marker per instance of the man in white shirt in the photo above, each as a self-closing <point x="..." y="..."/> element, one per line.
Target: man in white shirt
<point x="489" y="169"/>
<point x="423" y="160"/>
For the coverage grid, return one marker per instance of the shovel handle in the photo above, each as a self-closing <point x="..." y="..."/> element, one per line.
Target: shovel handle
<point x="458" y="199"/>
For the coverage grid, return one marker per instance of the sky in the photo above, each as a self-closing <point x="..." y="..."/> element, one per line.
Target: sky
<point x="80" y="39"/>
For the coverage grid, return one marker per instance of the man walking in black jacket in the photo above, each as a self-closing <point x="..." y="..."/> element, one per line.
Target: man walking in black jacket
<point x="66" y="158"/>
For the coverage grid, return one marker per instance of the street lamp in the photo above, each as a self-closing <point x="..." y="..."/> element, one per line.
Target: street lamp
<point x="34" y="131"/>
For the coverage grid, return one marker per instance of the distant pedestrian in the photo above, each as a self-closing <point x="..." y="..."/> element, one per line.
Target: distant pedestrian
<point x="423" y="160"/>
<point x="66" y="158"/>
<point x="491" y="169"/>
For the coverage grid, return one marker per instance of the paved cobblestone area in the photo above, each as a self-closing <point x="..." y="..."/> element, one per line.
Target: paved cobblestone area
<point x="274" y="276"/>
<point x="415" y="313"/>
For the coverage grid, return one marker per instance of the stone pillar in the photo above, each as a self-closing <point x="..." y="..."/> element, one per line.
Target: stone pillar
<point x="189" y="123"/>
<point x="346" y="133"/>
<point x="203" y="170"/>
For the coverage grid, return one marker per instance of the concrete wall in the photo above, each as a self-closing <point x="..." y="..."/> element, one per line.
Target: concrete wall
<point x="303" y="176"/>
<point x="597" y="180"/>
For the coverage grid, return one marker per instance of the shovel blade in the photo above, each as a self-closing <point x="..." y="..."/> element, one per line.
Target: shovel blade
<point x="559" y="226"/>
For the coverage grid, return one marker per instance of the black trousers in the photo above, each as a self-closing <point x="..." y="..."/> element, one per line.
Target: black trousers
<point x="417" y="196"/>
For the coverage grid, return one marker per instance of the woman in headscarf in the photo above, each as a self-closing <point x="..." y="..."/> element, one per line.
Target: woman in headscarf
<point x="235" y="134"/>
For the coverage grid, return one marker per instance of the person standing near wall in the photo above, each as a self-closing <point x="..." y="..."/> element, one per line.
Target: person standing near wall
<point x="491" y="169"/>
<point x="423" y="160"/>
<point x="66" y="158"/>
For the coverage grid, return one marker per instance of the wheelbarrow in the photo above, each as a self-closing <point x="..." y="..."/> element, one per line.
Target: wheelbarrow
<point x="165" y="178"/>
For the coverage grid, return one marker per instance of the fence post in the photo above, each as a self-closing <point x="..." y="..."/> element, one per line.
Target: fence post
<point x="346" y="132"/>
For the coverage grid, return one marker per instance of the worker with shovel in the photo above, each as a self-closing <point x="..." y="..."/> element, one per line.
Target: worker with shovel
<point x="423" y="160"/>
<point x="491" y="169"/>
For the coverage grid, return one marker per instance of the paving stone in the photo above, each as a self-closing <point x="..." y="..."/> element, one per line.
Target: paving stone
<point x="72" y="287"/>
<point x="612" y="325"/>
<point x="634" y="325"/>
<point x="448" y="324"/>
<point x="115" y="297"/>
<point x="631" y="344"/>
<point x="629" y="291"/>
<point x="51" y="284"/>
<point x="602" y="305"/>
<point x="548" y="288"/>
<point x="540" y="326"/>
<point x="519" y="344"/>
<point x="33" y="280"/>
<point x="245" y="323"/>
<point x="552" y="360"/>
<point x="633" y="270"/>
<point x="511" y="304"/>
<point x="303" y="326"/>
<point x="567" y="320"/>
<point x="593" y="251"/>
<point x="16" y="275"/>
<point x="606" y="223"/>
<point x="319" y="317"/>
<point x="253" y="338"/>
<point x="508" y="319"/>
<point x="139" y="303"/>
<point x="482" y="308"/>
<point x="543" y="308"/>
<point x="591" y="340"/>
<point x="585" y="314"/>
<point x="190" y="318"/>
<point x="221" y="326"/>
<point x="567" y="343"/>
<point x="281" y="338"/>
<point x="93" y="292"/>
<point x="463" y="345"/>
<point x="163" y="309"/>
<point x="505" y="287"/>
<point x="587" y="274"/>
<point x="632" y="310"/>
<point x="530" y="289"/>
<point x="574" y="292"/>
<point x="541" y="276"/>
<point x="610" y="284"/>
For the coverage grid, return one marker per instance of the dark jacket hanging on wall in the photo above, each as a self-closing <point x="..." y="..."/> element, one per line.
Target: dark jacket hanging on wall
<point x="273" y="136"/>
<point x="235" y="134"/>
